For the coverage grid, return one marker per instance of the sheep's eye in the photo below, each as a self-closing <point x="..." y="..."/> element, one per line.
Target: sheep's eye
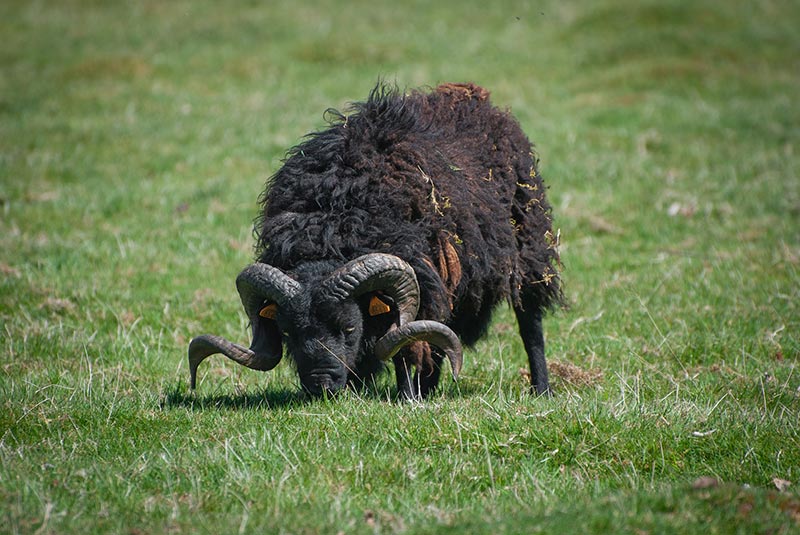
<point x="349" y="330"/>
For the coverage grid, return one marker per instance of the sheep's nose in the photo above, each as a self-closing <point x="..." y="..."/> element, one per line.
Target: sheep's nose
<point x="320" y="382"/>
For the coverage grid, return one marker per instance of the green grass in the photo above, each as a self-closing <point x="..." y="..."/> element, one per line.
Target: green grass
<point x="135" y="139"/>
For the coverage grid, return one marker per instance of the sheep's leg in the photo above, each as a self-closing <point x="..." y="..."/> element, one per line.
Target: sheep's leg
<point x="423" y="381"/>
<point x="428" y="380"/>
<point x="407" y="385"/>
<point x="529" y="318"/>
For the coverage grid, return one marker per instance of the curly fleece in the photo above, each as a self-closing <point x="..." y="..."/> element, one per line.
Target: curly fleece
<point x="441" y="179"/>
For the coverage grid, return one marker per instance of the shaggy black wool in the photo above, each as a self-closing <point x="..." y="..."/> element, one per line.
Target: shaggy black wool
<point x="441" y="179"/>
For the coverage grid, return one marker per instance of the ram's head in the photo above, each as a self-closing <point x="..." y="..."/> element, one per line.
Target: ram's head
<point x="338" y="325"/>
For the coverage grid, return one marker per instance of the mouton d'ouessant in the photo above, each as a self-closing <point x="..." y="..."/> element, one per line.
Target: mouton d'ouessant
<point x="392" y="235"/>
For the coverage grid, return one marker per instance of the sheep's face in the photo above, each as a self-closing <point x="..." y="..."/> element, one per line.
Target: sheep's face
<point x="338" y="323"/>
<point x="332" y="342"/>
<point x="324" y="344"/>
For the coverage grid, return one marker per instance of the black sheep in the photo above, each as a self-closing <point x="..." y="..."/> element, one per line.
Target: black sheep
<point x="393" y="234"/>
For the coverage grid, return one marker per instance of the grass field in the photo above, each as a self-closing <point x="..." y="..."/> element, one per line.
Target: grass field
<point x="135" y="138"/>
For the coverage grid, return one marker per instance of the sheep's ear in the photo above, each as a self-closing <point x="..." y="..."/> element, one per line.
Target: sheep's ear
<point x="270" y="311"/>
<point x="378" y="307"/>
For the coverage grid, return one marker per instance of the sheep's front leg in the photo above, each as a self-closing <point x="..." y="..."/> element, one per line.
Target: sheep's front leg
<point x="428" y="380"/>
<point x="423" y="382"/>
<point x="529" y="318"/>
<point x="407" y="386"/>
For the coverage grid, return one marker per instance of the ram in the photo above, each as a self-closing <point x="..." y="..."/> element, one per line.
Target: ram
<point x="393" y="234"/>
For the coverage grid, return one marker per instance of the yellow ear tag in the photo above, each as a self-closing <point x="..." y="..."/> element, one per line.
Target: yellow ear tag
<point x="269" y="311"/>
<point x="378" y="307"/>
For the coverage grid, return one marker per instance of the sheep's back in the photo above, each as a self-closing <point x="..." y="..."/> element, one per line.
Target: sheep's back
<point x="443" y="180"/>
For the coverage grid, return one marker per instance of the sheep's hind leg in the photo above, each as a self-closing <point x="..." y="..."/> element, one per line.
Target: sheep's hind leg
<point x="529" y="318"/>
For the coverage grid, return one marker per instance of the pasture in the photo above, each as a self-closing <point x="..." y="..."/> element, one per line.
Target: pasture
<point x="135" y="139"/>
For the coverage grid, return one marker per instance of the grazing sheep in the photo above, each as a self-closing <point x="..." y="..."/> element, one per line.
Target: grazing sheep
<point x="393" y="234"/>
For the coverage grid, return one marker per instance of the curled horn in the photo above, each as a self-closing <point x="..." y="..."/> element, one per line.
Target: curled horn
<point x="394" y="276"/>
<point x="208" y="344"/>
<point x="378" y="271"/>
<point x="256" y="284"/>
<point x="261" y="282"/>
<point x="433" y="332"/>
